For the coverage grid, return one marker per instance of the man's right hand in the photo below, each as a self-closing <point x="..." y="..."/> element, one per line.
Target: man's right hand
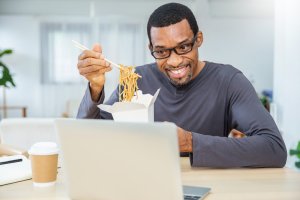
<point x="92" y="66"/>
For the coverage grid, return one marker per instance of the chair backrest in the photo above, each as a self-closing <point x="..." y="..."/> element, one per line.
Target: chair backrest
<point x="24" y="132"/>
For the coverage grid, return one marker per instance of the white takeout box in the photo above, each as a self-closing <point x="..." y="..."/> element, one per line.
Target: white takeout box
<point x="140" y="109"/>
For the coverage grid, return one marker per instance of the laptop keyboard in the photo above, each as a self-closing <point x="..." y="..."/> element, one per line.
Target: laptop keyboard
<point x="189" y="197"/>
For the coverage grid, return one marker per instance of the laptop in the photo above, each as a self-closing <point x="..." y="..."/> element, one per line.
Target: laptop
<point x="104" y="159"/>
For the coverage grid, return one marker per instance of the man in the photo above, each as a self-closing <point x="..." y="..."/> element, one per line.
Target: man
<point x="204" y="99"/>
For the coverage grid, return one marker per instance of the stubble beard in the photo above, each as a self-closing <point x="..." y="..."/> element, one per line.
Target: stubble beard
<point x="182" y="81"/>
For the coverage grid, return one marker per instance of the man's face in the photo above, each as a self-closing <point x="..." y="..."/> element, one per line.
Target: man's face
<point x="180" y="69"/>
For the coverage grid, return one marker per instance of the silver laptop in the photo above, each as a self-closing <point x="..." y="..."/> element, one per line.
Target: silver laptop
<point x="130" y="161"/>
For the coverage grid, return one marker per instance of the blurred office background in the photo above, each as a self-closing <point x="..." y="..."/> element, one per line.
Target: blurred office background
<point x="259" y="37"/>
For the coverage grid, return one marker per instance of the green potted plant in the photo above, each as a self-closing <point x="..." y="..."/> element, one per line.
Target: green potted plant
<point x="6" y="79"/>
<point x="296" y="152"/>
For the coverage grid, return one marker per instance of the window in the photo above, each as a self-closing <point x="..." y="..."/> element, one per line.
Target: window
<point x="122" y="41"/>
<point x="59" y="56"/>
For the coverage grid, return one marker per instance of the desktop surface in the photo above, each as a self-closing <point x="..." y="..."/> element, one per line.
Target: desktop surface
<point x="233" y="184"/>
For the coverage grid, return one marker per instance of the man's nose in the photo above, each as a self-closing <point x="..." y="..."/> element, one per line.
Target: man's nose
<point x="174" y="60"/>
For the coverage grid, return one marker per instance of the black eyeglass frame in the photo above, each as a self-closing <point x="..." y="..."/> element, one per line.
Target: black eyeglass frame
<point x="192" y="43"/>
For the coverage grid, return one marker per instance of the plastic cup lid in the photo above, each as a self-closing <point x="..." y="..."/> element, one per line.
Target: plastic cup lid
<point x="43" y="148"/>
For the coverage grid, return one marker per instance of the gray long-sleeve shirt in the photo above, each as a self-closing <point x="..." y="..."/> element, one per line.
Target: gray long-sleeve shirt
<point x="219" y="99"/>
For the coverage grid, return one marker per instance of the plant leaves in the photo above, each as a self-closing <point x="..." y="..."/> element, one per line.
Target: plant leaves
<point x="297" y="164"/>
<point x="6" y="76"/>
<point x="6" y="51"/>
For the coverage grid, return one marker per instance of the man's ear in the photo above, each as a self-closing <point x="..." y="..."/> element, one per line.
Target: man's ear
<point x="199" y="39"/>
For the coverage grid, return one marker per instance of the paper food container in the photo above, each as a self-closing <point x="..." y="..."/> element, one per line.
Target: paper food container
<point x="140" y="109"/>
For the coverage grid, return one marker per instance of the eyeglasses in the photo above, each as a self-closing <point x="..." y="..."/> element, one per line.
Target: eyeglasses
<point x="179" y="50"/>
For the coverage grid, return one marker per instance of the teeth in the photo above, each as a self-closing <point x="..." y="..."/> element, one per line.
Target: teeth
<point x="178" y="71"/>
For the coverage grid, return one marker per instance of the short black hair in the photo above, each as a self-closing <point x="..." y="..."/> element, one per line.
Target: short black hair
<point x="171" y="13"/>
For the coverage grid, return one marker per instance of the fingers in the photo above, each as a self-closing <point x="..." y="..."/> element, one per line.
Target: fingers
<point x="92" y="61"/>
<point x="94" y="69"/>
<point x="236" y="134"/>
<point x="89" y="54"/>
<point x="97" y="47"/>
<point x="96" y="52"/>
<point x="92" y="65"/>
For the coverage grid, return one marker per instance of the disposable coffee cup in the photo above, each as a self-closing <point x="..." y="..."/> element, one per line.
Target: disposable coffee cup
<point x="44" y="156"/>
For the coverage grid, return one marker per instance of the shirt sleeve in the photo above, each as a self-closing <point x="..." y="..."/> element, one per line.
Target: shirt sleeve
<point x="88" y="109"/>
<point x="263" y="146"/>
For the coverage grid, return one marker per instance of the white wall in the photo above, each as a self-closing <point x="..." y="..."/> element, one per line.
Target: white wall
<point x="247" y="44"/>
<point x="243" y="41"/>
<point x="287" y="71"/>
<point x="240" y="33"/>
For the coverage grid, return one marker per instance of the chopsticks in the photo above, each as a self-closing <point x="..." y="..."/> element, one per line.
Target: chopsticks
<point x="82" y="47"/>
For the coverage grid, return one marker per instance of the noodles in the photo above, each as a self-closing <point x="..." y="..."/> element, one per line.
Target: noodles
<point x="127" y="83"/>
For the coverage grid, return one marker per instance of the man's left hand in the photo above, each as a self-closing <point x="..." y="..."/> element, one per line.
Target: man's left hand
<point x="185" y="140"/>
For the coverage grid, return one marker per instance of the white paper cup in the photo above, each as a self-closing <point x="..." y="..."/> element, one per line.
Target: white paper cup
<point x="44" y="156"/>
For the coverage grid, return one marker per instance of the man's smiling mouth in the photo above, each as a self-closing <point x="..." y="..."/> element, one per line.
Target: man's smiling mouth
<point x="178" y="73"/>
